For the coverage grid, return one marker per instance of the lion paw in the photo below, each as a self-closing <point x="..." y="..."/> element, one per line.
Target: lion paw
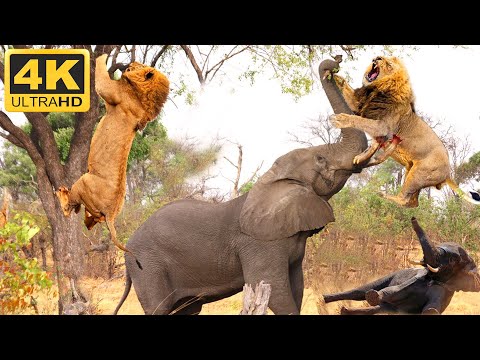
<point x="340" y="121"/>
<point x="359" y="159"/>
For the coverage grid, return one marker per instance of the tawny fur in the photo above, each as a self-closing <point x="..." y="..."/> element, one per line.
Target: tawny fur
<point x="384" y="109"/>
<point x="131" y="103"/>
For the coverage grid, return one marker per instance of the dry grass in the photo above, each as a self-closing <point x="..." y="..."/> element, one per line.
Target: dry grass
<point x="330" y="266"/>
<point x="107" y="293"/>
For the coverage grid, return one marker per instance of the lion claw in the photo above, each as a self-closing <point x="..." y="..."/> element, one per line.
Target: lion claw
<point x="340" y="121"/>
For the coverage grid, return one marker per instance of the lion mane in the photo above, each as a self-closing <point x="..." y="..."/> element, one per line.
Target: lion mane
<point x="384" y="108"/>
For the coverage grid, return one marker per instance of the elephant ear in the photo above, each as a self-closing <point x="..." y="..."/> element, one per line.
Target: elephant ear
<point x="282" y="208"/>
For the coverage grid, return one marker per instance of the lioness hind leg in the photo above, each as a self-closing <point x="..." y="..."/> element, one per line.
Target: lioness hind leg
<point x="416" y="180"/>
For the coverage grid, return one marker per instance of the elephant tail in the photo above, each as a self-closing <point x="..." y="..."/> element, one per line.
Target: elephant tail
<point x="128" y="286"/>
<point x="471" y="196"/>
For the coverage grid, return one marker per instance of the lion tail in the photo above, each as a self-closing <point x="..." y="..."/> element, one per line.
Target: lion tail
<point x="471" y="196"/>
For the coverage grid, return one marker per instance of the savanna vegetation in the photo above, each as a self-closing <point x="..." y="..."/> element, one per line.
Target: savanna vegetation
<point x="45" y="255"/>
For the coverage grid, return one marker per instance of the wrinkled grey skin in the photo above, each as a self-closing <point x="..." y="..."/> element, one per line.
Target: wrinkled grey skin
<point x="195" y="252"/>
<point x="417" y="290"/>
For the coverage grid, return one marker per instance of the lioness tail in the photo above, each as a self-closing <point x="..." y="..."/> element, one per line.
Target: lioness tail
<point x="471" y="196"/>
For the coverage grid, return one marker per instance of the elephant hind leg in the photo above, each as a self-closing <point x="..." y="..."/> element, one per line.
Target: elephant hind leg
<point x="187" y="306"/>
<point x="153" y="291"/>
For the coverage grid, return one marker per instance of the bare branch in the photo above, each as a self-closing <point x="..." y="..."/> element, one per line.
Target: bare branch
<point x="194" y="63"/>
<point x="114" y="59"/>
<point x="144" y="53"/>
<point x="253" y="175"/>
<point x="207" y="57"/>
<point x="103" y="49"/>
<point x="218" y="65"/>
<point x="158" y="55"/>
<point x="133" y="52"/>
<point x="348" y="49"/>
<point x="230" y="161"/>
<point x="2" y="72"/>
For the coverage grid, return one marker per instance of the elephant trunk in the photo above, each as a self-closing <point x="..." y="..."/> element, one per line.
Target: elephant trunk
<point x="430" y="252"/>
<point x="352" y="141"/>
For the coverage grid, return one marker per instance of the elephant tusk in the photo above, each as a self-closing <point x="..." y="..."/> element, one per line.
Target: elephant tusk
<point x="416" y="262"/>
<point x="432" y="269"/>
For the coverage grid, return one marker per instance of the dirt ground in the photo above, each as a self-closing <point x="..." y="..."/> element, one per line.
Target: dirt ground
<point x="105" y="295"/>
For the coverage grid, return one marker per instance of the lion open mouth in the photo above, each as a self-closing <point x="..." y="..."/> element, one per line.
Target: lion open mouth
<point x="373" y="74"/>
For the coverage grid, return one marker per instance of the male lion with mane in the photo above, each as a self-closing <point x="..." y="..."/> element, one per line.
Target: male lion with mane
<point x="384" y="108"/>
<point x="131" y="103"/>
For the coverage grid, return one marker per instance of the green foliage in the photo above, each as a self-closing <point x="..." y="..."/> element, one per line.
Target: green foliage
<point x="18" y="172"/>
<point x="361" y="211"/>
<point x="21" y="276"/>
<point x="173" y="162"/>
<point x="469" y="170"/>
<point x="63" y="127"/>
<point x="153" y="133"/>
<point x="246" y="187"/>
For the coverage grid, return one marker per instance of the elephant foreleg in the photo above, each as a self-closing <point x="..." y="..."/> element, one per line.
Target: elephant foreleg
<point x="369" y="310"/>
<point x="276" y="273"/>
<point x="296" y="283"/>
<point x="438" y="300"/>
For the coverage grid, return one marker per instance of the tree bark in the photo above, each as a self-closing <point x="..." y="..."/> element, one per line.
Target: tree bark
<point x="255" y="302"/>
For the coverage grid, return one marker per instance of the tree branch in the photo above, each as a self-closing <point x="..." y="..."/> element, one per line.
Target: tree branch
<point x="230" y="161"/>
<point x="11" y="138"/>
<point x="158" y="55"/>
<point x="49" y="146"/>
<point x="194" y="63"/>
<point x="103" y="49"/>
<point x="207" y="57"/>
<point x="133" y="53"/>
<point x="2" y="72"/>
<point x="22" y="137"/>
<point x="253" y="175"/>
<point x="115" y="66"/>
<point x="218" y="65"/>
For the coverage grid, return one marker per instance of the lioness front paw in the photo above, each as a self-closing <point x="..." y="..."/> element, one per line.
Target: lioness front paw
<point x="341" y="121"/>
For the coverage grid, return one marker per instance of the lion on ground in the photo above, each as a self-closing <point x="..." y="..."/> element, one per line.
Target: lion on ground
<point x="384" y="108"/>
<point x="131" y="103"/>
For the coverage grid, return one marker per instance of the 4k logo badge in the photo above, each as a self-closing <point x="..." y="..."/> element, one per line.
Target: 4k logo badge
<point x="47" y="80"/>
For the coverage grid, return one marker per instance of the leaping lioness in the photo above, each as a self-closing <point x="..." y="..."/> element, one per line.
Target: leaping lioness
<point x="384" y="110"/>
<point x="131" y="103"/>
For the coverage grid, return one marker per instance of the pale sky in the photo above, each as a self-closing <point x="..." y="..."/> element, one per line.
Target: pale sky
<point x="444" y="80"/>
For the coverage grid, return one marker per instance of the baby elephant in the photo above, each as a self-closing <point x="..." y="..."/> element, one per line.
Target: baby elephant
<point x="131" y="103"/>
<point x="429" y="290"/>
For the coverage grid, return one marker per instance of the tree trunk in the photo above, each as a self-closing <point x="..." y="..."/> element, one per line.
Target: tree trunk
<point x="43" y="250"/>
<point x="255" y="302"/>
<point x="68" y="252"/>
